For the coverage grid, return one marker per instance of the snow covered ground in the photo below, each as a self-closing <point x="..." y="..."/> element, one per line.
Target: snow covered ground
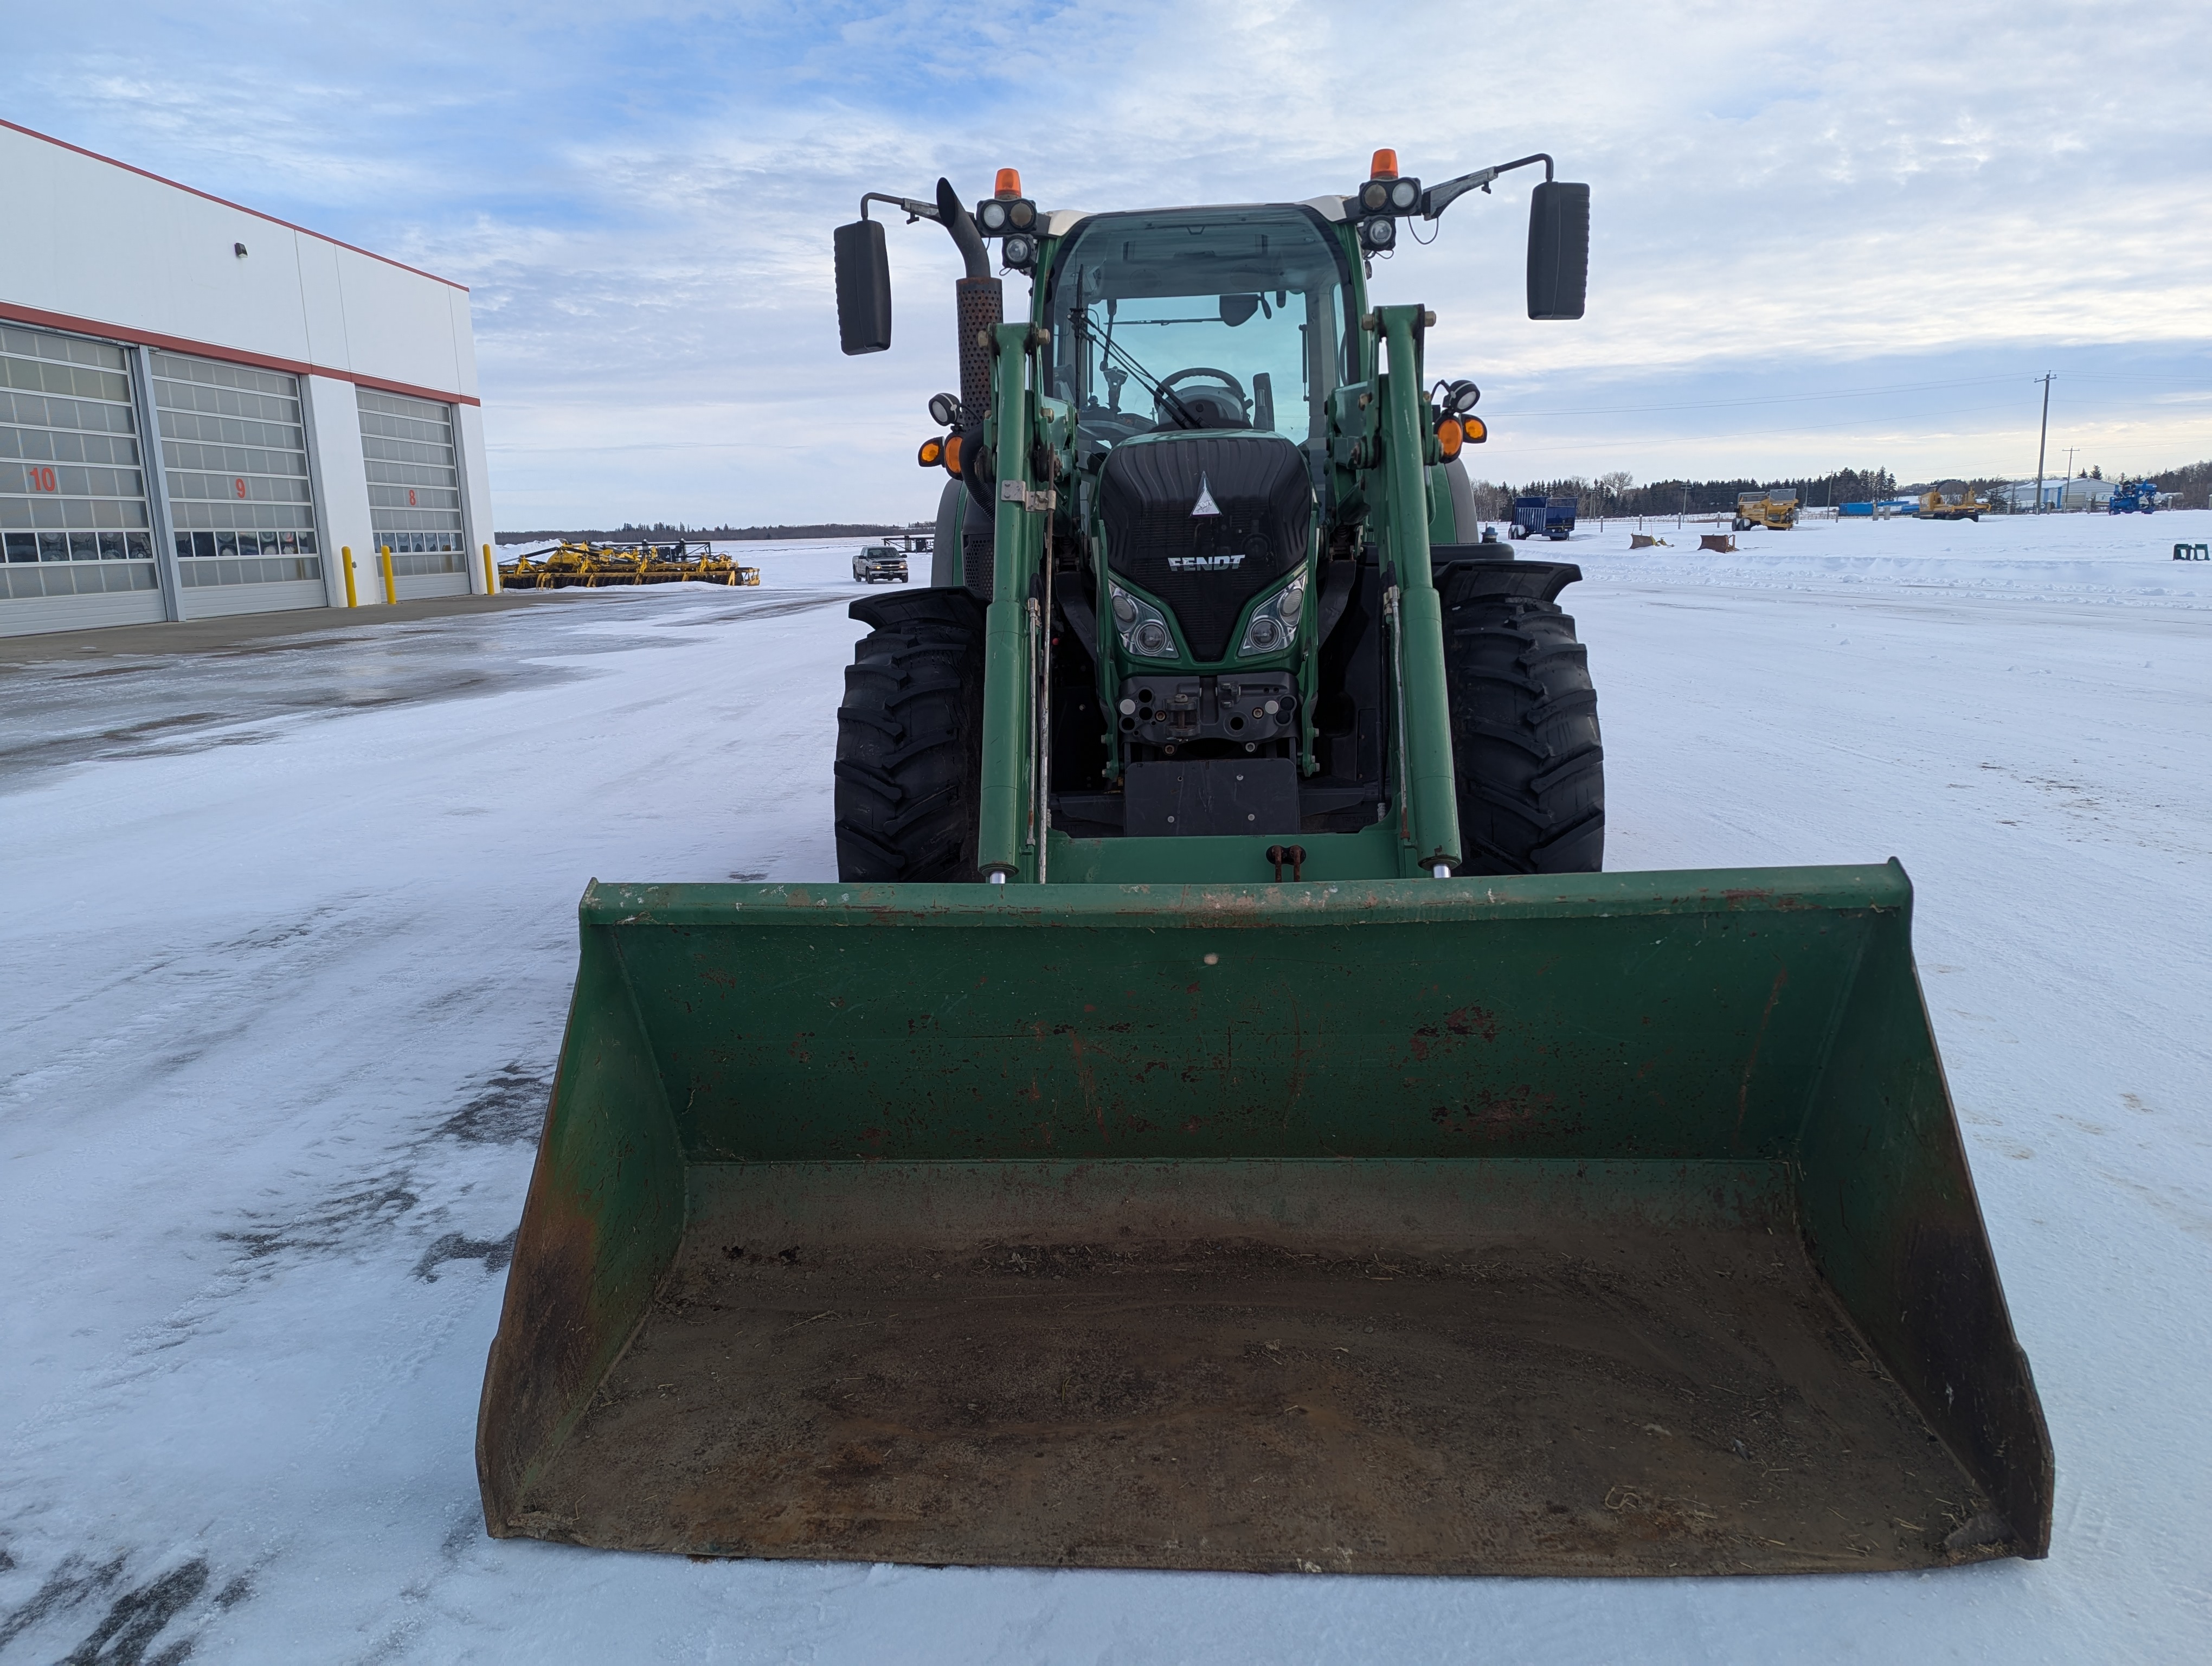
<point x="286" y="936"/>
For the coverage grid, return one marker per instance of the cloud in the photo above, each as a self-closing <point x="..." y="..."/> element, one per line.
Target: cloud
<point x="1788" y="200"/>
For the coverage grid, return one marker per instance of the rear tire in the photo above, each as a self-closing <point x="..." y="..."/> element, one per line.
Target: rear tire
<point x="1530" y="771"/>
<point x="910" y="740"/>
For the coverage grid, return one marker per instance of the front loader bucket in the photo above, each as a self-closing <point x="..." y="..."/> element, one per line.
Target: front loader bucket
<point x="1602" y="1224"/>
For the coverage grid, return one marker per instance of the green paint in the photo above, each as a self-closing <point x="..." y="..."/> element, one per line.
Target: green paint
<point x="1734" y="1045"/>
<point x="1431" y="816"/>
<point x="1009" y="714"/>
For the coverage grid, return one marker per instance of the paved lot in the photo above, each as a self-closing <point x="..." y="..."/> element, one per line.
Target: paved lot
<point x="286" y="946"/>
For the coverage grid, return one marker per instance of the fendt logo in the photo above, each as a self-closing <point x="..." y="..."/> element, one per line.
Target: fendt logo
<point x="1202" y="564"/>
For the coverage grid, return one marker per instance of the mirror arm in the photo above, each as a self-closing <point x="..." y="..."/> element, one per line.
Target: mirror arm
<point x="961" y="227"/>
<point x="1436" y="198"/>
<point x="914" y="210"/>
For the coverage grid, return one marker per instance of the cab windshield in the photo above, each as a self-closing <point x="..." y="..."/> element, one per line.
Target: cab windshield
<point x="1199" y="319"/>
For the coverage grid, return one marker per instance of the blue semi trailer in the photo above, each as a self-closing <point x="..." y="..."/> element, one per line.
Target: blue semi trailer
<point x="1543" y="517"/>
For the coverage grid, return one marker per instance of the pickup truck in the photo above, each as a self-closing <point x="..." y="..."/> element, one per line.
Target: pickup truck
<point x="879" y="560"/>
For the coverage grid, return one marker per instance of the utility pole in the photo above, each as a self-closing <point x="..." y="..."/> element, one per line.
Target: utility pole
<point x="2043" y="435"/>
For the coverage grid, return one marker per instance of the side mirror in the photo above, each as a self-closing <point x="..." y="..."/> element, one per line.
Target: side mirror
<point x="1559" y="250"/>
<point x="864" y="288"/>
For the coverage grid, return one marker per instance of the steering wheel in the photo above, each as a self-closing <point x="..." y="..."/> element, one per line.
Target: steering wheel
<point x="1235" y="387"/>
<point x="1206" y="406"/>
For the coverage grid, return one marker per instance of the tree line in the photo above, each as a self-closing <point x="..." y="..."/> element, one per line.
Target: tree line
<point x="1615" y="494"/>
<point x="2193" y="481"/>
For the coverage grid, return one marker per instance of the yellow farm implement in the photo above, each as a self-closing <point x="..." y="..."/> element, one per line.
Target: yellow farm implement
<point x="1775" y="511"/>
<point x="585" y="566"/>
<point x="1937" y="506"/>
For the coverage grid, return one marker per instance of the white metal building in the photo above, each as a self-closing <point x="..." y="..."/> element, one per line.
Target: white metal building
<point x="2061" y="494"/>
<point x="234" y="415"/>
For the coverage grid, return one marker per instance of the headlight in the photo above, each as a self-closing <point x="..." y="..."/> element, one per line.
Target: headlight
<point x="1374" y="196"/>
<point x="1379" y="234"/>
<point x="1274" y="621"/>
<point x="1018" y="251"/>
<point x="1405" y="193"/>
<point x="1142" y="628"/>
<point x="992" y="216"/>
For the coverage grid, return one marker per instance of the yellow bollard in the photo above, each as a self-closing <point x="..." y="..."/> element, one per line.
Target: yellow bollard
<point x="491" y="574"/>
<point x="345" y="554"/>
<point x="390" y="584"/>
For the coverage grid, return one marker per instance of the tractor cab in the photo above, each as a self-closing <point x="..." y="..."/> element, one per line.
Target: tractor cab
<point x="1193" y="320"/>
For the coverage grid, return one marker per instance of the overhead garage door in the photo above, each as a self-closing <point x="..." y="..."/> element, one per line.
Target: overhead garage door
<point x="73" y="512"/>
<point x="414" y="493"/>
<point x="235" y="456"/>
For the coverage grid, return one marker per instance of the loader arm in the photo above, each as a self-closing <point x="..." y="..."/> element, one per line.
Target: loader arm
<point x="1007" y="835"/>
<point x="1428" y="818"/>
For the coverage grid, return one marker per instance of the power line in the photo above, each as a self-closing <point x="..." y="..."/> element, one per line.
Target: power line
<point x="2202" y="378"/>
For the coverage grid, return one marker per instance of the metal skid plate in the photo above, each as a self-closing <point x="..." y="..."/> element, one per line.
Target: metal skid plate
<point x="1212" y="796"/>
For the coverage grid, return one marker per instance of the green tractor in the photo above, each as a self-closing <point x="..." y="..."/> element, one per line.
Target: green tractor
<point x="1263" y="622"/>
<point x="1221" y="1116"/>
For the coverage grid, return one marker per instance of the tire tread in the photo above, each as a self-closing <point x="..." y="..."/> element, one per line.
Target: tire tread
<point x="1525" y="744"/>
<point x="908" y="778"/>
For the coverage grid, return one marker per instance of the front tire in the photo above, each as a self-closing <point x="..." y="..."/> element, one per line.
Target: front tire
<point x="909" y="771"/>
<point x="1526" y="753"/>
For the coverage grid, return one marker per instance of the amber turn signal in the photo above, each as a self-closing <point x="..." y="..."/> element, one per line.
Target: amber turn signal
<point x="1477" y="430"/>
<point x="951" y="456"/>
<point x="932" y="453"/>
<point x="1449" y="437"/>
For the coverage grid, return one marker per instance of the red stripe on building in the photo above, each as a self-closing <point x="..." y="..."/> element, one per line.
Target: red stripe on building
<point x="82" y="326"/>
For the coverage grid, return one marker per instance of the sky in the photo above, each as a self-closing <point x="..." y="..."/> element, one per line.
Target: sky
<point x="1823" y="236"/>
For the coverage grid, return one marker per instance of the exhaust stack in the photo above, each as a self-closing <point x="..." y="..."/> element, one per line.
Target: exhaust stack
<point x="980" y="301"/>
